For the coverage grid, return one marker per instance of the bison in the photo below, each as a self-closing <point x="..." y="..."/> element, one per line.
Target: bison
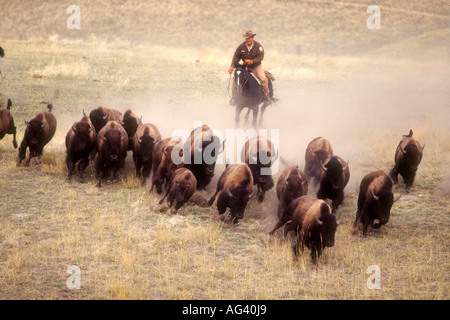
<point x="112" y="145"/>
<point x="163" y="164"/>
<point x="260" y="154"/>
<point x="291" y="185"/>
<point x="314" y="224"/>
<point x="407" y="159"/>
<point x="201" y="150"/>
<point x="143" y="145"/>
<point x="333" y="179"/>
<point x="317" y="152"/>
<point x="102" y="115"/>
<point x="130" y="122"/>
<point x="235" y="186"/>
<point x="80" y="144"/>
<point x="39" y="131"/>
<point x="180" y="188"/>
<point x="376" y="197"/>
<point x="7" y="123"/>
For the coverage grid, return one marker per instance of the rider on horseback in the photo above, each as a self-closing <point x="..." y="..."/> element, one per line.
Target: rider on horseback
<point x="252" y="53"/>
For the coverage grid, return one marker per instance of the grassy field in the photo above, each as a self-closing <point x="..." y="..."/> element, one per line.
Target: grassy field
<point x="129" y="247"/>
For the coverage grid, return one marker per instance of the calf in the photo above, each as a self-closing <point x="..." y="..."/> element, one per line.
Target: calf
<point x="112" y="145"/>
<point x="40" y="130"/>
<point x="7" y="123"/>
<point x="313" y="223"/>
<point x="333" y="179"/>
<point x="408" y="156"/>
<point x="180" y="188"/>
<point x="376" y="197"/>
<point x="235" y="186"/>
<point x="143" y="145"/>
<point x="80" y="144"/>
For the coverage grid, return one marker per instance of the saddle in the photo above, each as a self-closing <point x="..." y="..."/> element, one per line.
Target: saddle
<point x="269" y="76"/>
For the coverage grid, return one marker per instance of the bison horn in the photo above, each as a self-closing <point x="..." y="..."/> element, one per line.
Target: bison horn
<point x="27" y="123"/>
<point x="374" y="196"/>
<point x="84" y="113"/>
<point x="229" y="193"/>
<point x="287" y="183"/>
<point x="43" y="125"/>
<point x="254" y="158"/>
<point x="121" y="122"/>
<point x="323" y="167"/>
<point x="318" y="221"/>
<point x="421" y="149"/>
<point x="74" y="128"/>
<point x="339" y="221"/>
<point x="345" y="167"/>
<point x="398" y="198"/>
<point x="139" y="140"/>
<point x="402" y="150"/>
<point x="106" y="116"/>
<point x="140" y="120"/>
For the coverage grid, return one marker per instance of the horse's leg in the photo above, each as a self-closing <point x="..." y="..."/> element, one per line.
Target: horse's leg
<point x="263" y="109"/>
<point x="246" y="116"/>
<point x="255" y="115"/>
<point x="238" y="114"/>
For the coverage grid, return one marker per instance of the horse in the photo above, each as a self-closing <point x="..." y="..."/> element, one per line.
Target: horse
<point x="249" y="94"/>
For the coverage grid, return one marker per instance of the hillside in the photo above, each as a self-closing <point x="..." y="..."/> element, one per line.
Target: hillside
<point x="311" y="27"/>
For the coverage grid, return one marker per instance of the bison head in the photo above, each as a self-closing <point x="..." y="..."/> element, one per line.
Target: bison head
<point x="113" y="145"/>
<point x="383" y="201"/>
<point x="237" y="201"/>
<point x="146" y="145"/>
<point x="98" y="119"/>
<point x="295" y="186"/>
<point x="82" y="132"/>
<point x="327" y="225"/>
<point x="334" y="172"/>
<point x="412" y="155"/>
<point x="181" y="187"/>
<point x="130" y="123"/>
<point x="35" y="132"/>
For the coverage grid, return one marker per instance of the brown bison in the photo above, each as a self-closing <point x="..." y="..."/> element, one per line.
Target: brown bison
<point x="112" y="145"/>
<point x="313" y="223"/>
<point x="40" y="130"/>
<point x="407" y="159"/>
<point x="130" y="122"/>
<point x="163" y="164"/>
<point x="143" y="145"/>
<point x="180" y="188"/>
<point x="201" y="150"/>
<point x="333" y="179"/>
<point x="235" y="186"/>
<point x="102" y="115"/>
<point x="260" y="154"/>
<point x="317" y="152"/>
<point x="80" y="144"/>
<point x="7" y="123"/>
<point x="291" y="185"/>
<point x="376" y="197"/>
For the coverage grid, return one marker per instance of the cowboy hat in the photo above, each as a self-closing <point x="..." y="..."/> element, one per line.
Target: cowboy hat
<point x="249" y="34"/>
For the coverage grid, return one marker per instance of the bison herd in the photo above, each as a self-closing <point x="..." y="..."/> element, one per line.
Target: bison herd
<point x="106" y="135"/>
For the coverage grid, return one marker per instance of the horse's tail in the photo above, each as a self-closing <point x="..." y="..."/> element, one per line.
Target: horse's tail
<point x="2" y="52"/>
<point x="271" y="96"/>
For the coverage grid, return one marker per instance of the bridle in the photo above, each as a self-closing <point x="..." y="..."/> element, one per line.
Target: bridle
<point x="240" y="84"/>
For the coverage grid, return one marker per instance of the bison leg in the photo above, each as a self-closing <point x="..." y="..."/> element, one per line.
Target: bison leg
<point x="263" y="109"/>
<point x="358" y="216"/>
<point x="13" y="132"/>
<point x="337" y="202"/>
<point x="222" y="202"/>
<point x="81" y="167"/>
<point x="22" y="152"/>
<point x="285" y="218"/>
<point x="246" y="115"/>
<point x="70" y="168"/>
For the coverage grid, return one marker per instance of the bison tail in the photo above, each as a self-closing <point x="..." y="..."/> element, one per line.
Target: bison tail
<point x="410" y="134"/>
<point x="9" y="104"/>
<point x="2" y="52"/>
<point x="49" y="107"/>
